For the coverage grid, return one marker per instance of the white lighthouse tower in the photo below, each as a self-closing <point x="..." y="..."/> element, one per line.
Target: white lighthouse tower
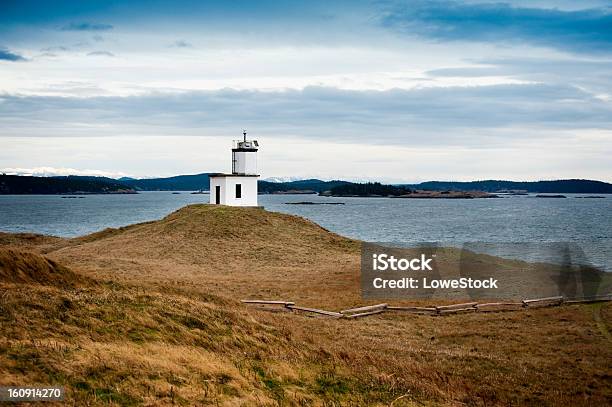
<point x="240" y="187"/>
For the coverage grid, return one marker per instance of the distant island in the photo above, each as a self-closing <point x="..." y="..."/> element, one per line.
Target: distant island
<point x="21" y="185"/>
<point x="367" y="189"/>
<point x="13" y="184"/>
<point x="433" y="189"/>
<point x="312" y="185"/>
<point x="196" y="182"/>
<point x="567" y="186"/>
<point x="376" y="189"/>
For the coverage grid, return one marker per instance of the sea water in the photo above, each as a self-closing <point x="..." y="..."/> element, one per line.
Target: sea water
<point x="585" y="222"/>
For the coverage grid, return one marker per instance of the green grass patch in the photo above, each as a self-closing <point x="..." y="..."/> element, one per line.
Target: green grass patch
<point x="331" y="385"/>
<point x="110" y="395"/>
<point x="271" y="384"/>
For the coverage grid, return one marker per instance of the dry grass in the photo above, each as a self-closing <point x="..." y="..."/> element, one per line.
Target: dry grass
<point x="162" y="325"/>
<point x="24" y="267"/>
<point x="31" y="241"/>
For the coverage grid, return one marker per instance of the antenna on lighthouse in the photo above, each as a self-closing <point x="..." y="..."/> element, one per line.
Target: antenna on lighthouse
<point x="244" y="134"/>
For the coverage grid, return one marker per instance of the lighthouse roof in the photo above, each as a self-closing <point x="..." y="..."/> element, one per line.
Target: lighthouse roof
<point x="245" y="145"/>
<point x="221" y="174"/>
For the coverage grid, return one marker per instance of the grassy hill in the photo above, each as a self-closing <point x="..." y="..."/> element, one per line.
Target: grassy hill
<point x="151" y="316"/>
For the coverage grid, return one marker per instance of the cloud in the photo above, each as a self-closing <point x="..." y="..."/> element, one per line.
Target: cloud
<point x="181" y="44"/>
<point x="453" y="116"/>
<point x="54" y="171"/>
<point x="101" y="53"/>
<point x="65" y="48"/>
<point x="594" y="75"/>
<point x="55" y="48"/>
<point x="72" y="88"/>
<point x="582" y="31"/>
<point x="6" y="55"/>
<point x="86" y="26"/>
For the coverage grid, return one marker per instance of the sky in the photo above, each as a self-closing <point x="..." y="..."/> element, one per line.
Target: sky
<point x="392" y="91"/>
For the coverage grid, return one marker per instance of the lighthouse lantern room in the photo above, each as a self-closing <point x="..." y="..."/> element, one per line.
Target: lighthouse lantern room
<point x="240" y="187"/>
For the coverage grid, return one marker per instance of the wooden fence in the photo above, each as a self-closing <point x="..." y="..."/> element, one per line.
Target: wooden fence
<point x="434" y="310"/>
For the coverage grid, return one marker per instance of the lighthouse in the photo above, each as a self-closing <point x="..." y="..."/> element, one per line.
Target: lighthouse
<point x="239" y="188"/>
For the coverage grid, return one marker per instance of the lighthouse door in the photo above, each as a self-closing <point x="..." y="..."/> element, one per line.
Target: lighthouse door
<point x="217" y="194"/>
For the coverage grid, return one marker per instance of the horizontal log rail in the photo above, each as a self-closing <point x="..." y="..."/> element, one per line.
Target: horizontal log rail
<point x="412" y="309"/>
<point x="456" y="306"/>
<point x="594" y="298"/>
<point x="365" y="308"/>
<point x="500" y="304"/>
<point x="365" y="314"/>
<point x="315" y="311"/>
<point x="457" y="310"/>
<point x="558" y="299"/>
<point x="268" y="302"/>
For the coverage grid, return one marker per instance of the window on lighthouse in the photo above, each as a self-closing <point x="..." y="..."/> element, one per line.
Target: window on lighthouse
<point x="238" y="190"/>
